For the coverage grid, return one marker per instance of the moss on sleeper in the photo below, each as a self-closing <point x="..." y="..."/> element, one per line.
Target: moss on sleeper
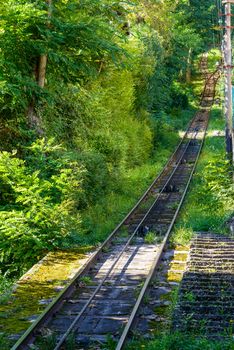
<point x="38" y="287"/>
<point x="181" y="257"/>
<point x="178" y="266"/>
<point x="182" y="248"/>
<point x="178" y="263"/>
<point x="165" y="309"/>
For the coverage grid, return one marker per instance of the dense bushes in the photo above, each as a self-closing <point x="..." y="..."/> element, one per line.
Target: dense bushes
<point x="112" y="94"/>
<point x="218" y="186"/>
<point x="102" y="119"/>
<point x="39" y="200"/>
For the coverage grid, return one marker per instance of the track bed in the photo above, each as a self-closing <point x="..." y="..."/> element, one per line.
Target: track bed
<point x="105" y="297"/>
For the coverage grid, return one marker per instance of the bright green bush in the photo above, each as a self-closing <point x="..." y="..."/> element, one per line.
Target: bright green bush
<point x="38" y="203"/>
<point x="113" y="95"/>
<point x="102" y="119"/>
<point x="218" y="186"/>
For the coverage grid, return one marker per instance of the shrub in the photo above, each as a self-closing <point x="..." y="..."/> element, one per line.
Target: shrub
<point x="218" y="185"/>
<point x="39" y="203"/>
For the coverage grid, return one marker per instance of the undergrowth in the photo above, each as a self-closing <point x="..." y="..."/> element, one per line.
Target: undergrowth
<point x="52" y="198"/>
<point x="39" y="200"/>
<point x="210" y="201"/>
<point x="178" y="341"/>
<point x="101" y="218"/>
<point x="5" y="288"/>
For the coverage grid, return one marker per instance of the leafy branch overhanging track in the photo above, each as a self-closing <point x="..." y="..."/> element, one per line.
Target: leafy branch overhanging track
<point x="105" y="296"/>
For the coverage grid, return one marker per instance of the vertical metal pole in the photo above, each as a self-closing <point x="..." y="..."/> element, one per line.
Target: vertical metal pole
<point x="228" y="79"/>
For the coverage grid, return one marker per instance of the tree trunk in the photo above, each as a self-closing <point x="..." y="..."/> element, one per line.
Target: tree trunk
<point x="40" y="76"/>
<point x="43" y="58"/>
<point x="42" y="70"/>
<point x="188" y="70"/>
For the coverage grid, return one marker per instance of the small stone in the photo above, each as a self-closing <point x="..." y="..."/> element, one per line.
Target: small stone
<point x="46" y="332"/>
<point x="151" y="317"/>
<point x="164" y="290"/>
<point x="169" y="254"/>
<point x="174" y="283"/>
<point x="15" y="337"/>
<point x="33" y="347"/>
<point x="32" y="318"/>
<point x="162" y="303"/>
<point x="58" y="288"/>
<point x="45" y="301"/>
<point x="73" y="301"/>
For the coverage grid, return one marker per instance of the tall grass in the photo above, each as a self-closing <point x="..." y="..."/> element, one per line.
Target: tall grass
<point x="198" y="212"/>
<point x="178" y="341"/>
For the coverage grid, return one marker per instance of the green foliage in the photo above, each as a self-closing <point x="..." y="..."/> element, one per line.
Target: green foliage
<point x="5" y="343"/>
<point x="181" y="235"/>
<point x="214" y="57"/>
<point x="177" y="341"/>
<point x="218" y="186"/>
<point x="113" y="96"/>
<point x="202" y="18"/>
<point x="75" y="40"/>
<point x="210" y="202"/>
<point x="103" y="121"/>
<point x="38" y="203"/>
<point x="150" y="238"/>
<point x="5" y="290"/>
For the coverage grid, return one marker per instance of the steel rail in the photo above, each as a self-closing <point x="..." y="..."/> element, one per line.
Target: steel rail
<point x="207" y="82"/>
<point x="67" y="291"/>
<point x="128" y="326"/>
<point x="73" y="325"/>
<point x="53" y="307"/>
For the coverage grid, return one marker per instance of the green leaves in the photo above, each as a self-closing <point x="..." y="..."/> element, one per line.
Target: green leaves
<point x="218" y="184"/>
<point x="110" y="64"/>
<point x="75" y="40"/>
<point x="38" y="208"/>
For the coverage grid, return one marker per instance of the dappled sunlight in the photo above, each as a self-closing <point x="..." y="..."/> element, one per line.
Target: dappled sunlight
<point x="215" y="133"/>
<point x="178" y="263"/>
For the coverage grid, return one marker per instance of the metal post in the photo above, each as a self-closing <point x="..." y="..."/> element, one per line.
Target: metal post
<point x="228" y="78"/>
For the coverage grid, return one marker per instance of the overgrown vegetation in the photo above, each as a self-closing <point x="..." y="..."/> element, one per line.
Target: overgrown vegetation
<point x="93" y="94"/>
<point x="210" y="202"/>
<point x="176" y="341"/>
<point x="39" y="200"/>
<point x="208" y="206"/>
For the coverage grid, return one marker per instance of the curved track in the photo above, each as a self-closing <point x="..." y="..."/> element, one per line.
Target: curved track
<point x="103" y="299"/>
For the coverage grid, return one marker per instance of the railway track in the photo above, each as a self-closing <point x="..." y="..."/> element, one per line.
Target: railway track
<point x="206" y="298"/>
<point x="104" y="298"/>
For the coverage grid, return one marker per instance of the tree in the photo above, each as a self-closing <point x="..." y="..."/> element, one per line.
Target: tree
<point x="73" y="41"/>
